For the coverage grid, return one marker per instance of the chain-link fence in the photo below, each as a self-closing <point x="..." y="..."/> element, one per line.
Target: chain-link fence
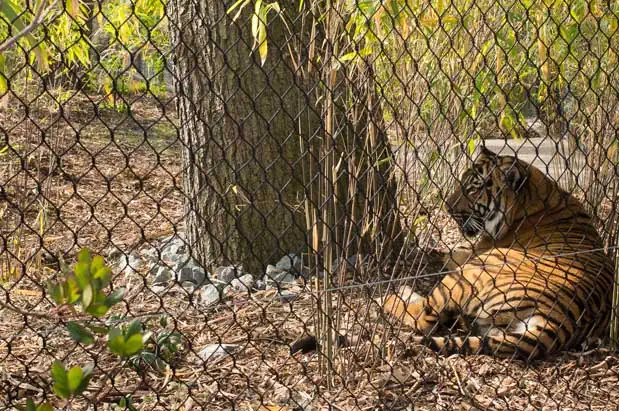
<point x="300" y="204"/>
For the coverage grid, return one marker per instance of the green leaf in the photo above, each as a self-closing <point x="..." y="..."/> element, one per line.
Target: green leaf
<point x="471" y="145"/>
<point x="117" y="345"/>
<point x="262" y="35"/>
<point x="71" y="291"/>
<point x="114" y="332"/>
<point x="366" y="51"/>
<point x="61" y="383"/>
<point x="569" y="32"/>
<point x="508" y="122"/>
<point x="79" y="377"/>
<point x="87" y="296"/>
<point x="97" y="263"/>
<point x="3" y="81"/>
<point x="103" y="274"/>
<point x="486" y="47"/>
<point x="74" y="377"/>
<point x="450" y="19"/>
<point x="263" y="49"/>
<point x="97" y="309"/>
<point x="273" y="6"/>
<point x="9" y="9"/>
<point x="127" y="344"/>
<point x="134" y="327"/>
<point x="133" y="344"/>
<point x="84" y="256"/>
<point x="579" y="10"/>
<point x="30" y="406"/>
<point x="82" y="274"/>
<point x="80" y="333"/>
<point x="14" y="15"/>
<point x="55" y="291"/>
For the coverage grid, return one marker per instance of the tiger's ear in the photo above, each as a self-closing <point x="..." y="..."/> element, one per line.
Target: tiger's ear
<point x="484" y="152"/>
<point x="515" y="175"/>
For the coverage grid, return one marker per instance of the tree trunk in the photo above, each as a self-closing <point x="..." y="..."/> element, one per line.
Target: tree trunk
<point x="240" y="126"/>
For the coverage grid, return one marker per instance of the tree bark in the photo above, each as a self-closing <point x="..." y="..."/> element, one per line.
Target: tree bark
<point x="240" y="126"/>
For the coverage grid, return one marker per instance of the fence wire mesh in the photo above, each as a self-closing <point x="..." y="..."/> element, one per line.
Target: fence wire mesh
<point x="308" y="204"/>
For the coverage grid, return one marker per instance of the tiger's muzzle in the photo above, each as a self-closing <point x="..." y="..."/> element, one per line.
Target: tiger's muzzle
<point x="469" y="224"/>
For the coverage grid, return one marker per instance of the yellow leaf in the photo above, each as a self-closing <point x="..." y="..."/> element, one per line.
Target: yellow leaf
<point x="263" y="49"/>
<point x="42" y="59"/>
<point x="348" y="56"/>
<point x="73" y="7"/>
<point x="442" y="5"/>
<point x="450" y="19"/>
<point x="429" y="21"/>
<point x="255" y="20"/>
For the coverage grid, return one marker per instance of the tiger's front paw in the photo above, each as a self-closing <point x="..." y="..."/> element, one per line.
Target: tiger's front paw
<point x="404" y="306"/>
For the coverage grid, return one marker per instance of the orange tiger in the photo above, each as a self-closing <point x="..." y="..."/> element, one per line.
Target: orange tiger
<point x="537" y="281"/>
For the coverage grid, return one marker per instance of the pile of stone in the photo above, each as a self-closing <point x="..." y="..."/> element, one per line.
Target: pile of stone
<point x="170" y="265"/>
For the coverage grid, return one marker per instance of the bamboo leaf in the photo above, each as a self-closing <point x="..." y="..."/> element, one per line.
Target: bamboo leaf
<point x="255" y="21"/>
<point x="240" y="4"/>
<point x="73" y="8"/>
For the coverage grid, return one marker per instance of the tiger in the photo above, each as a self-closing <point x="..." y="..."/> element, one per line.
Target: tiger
<point x="535" y="282"/>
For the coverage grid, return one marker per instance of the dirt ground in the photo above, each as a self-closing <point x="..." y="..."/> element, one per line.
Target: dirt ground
<point x="112" y="181"/>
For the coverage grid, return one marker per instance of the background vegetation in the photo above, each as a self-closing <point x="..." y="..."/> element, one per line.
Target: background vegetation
<point x="405" y="92"/>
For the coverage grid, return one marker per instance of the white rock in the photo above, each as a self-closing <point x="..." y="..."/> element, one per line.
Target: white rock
<point x="186" y="274"/>
<point x="278" y="276"/>
<point x="199" y="275"/>
<point x="214" y="353"/>
<point x="229" y="273"/>
<point x="158" y="289"/>
<point x="243" y="284"/>
<point x="285" y="395"/>
<point x="210" y="295"/>
<point x="150" y="254"/>
<point x="163" y="275"/>
<point x="174" y="247"/>
<point x="290" y="262"/>
<point x="134" y="263"/>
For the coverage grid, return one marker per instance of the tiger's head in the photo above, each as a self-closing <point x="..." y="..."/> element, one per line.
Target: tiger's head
<point x="488" y="198"/>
